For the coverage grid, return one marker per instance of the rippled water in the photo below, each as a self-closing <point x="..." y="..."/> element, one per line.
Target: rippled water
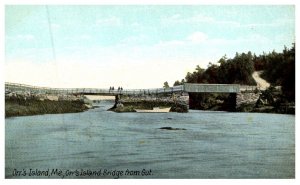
<point x="214" y="144"/>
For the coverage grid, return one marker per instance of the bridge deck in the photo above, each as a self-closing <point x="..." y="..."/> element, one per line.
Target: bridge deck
<point x="187" y="87"/>
<point x="13" y="87"/>
<point x="213" y="88"/>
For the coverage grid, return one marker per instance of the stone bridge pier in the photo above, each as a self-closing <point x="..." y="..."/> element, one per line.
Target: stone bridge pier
<point x="246" y="98"/>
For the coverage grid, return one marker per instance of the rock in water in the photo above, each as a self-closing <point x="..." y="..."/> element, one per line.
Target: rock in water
<point x="171" y="128"/>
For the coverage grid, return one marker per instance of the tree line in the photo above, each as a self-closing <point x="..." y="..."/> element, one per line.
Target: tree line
<point x="278" y="69"/>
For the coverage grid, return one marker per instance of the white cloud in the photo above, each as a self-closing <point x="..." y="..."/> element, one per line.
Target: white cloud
<point x="84" y="37"/>
<point x="137" y="27"/>
<point x="135" y="24"/>
<point x="194" y="38"/>
<point x="25" y="37"/>
<point x="178" y="19"/>
<point x="171" y="43"/>
<point x="110" y="21"/>
<point x="200" y="18"/>
<point x="240" y="42"/>
<point x="136" y="39"/>
<point x="77" y="38"/>
<point x="256" y="38"/>
<point x="196" y="19"/>
<point x="276" y="23"/>
<point x="175" y="17"/>
<point x="55" y="26"/>
<point x="285" y="39"/>
<point x="197" y="37"/>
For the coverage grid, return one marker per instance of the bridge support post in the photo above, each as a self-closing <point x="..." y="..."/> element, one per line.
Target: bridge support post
<point x="193" y="101"/>
<point x="118" y="97"/>
<point x="232" y="102"/>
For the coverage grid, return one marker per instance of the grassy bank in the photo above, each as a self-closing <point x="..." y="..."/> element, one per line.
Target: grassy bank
<point x="129" y="106"/>
<point x="21" y="107"/>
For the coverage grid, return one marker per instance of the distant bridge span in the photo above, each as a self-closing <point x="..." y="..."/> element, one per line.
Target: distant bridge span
<point x="187" y="87"/>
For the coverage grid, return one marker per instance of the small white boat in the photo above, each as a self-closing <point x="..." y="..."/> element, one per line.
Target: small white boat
<point x="155" y="109"/>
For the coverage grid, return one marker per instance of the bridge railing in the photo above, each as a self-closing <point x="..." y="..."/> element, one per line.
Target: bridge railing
<point x="16" y="87"/>
<point x="47" y="90"/>
<point x="248" y="88"/>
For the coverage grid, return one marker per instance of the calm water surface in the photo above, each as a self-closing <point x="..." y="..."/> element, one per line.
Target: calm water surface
<point x="214" y="144"/>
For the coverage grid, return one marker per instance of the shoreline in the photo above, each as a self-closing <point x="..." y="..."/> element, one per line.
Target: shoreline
<point x="130" y="106"/>
<point x="20" y="107"/>
<point x="29" y="106"/>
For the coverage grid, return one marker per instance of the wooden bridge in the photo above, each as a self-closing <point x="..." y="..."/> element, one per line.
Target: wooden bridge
<point x="187" y="87"/>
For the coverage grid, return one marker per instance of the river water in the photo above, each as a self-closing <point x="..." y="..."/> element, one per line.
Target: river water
<point x="131" y="145"/>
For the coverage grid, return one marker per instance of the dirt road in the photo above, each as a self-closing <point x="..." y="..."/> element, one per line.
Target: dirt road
<point x="261" y="83"/>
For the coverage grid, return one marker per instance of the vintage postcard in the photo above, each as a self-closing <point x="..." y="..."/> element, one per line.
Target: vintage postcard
<point x="149" y="91"/>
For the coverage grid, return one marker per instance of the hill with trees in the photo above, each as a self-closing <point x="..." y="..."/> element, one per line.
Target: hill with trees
<point x="278" y="69"/>
<point x="237" y="70"/>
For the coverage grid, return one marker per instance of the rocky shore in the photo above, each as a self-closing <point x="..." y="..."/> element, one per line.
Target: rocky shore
<point x="130" y="106"/>
<point x="272" y="100"/>
<point x="25" y="105"/>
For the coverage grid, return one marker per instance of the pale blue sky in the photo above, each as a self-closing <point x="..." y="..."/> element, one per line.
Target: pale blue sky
<point x="131" y="45"/>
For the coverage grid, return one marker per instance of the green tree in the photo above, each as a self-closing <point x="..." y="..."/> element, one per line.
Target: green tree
<point x="280" y="71"/>
<point x="166" y="84"/>
<point x="177" y="82"/>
